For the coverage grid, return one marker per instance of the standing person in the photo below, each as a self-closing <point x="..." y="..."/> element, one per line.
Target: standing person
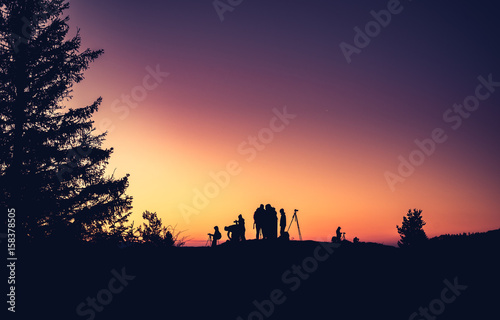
<point x="216" y="236"/>
<point x="275" y="223"/>
<point x="339" y="234"/>
<point x="272" y="222"/>
<point x="282" y="222"/>
<point x="258" y="217"/>
<point x="267" y="220"/>
<point x="241" y="224"/>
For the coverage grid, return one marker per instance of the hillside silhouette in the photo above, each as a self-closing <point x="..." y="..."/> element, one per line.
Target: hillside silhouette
<point x="355" y="281"/>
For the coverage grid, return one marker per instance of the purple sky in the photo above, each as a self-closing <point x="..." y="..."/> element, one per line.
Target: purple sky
<point x="353" y="119"/>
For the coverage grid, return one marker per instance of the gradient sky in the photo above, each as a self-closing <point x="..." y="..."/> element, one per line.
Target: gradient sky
<point x="353" y="120"/>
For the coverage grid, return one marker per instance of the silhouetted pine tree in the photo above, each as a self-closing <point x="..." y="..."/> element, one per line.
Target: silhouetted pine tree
<point x="52" y="165"/>
<point x="412" y="230"/>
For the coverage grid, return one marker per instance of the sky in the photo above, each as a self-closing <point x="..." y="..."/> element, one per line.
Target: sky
<point x="351" y="112"/>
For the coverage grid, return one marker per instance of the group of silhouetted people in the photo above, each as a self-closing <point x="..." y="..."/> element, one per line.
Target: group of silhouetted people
<point x="266" y="222"/>
<point x="235" y="232"/>
<point x="266" y="225"/>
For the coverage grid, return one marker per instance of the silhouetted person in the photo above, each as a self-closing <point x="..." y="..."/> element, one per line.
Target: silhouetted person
<point x="282" y="222"/>
<point x="274" y="223"/>
<point x="270" y="223"/>
<point x="241" y="224"/>
<point x="265" y="221"/>
<point x="233" y="231"/>
<point x="258" y="218"/>
<point x="236" y="232"/>
<point x="215" y="236"/>
<point x="339" y="234"/>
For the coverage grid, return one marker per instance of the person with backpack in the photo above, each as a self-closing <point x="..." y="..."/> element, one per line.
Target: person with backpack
<point x="215" y="236"/>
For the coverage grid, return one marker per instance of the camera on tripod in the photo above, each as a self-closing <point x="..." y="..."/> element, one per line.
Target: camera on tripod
<point x="294" y="217"/>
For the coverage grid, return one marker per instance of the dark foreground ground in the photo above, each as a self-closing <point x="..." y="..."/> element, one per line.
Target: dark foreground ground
<point x="452" y="279"/>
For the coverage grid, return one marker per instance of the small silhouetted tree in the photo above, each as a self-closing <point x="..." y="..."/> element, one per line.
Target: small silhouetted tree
<point x="52" y="163"/>
<point x="153" y="231"/>
<point x="412" y="230"/>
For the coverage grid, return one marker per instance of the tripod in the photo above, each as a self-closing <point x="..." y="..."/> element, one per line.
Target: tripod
<point x="296" y="220"/>
<point x="209" y="241"/>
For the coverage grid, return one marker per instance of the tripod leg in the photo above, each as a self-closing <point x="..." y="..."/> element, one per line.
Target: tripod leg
<point x="298" y="227"/>
<point x="291" y="221"/>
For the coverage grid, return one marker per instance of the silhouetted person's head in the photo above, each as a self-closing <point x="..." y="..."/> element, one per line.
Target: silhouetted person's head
<point x="282" y="211"/>
<point x="240" y="217"/>
<point x="216" y="228"/>
<point x="268" y="206"/>
<point x="261" y="206"/>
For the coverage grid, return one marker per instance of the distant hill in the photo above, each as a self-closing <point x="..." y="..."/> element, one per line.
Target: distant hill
<point x="265" y="280"/>
<point x="492" y="235"/>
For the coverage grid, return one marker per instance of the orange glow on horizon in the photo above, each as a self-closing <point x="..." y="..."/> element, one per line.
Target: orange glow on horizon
<point x="352" y="122"/>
